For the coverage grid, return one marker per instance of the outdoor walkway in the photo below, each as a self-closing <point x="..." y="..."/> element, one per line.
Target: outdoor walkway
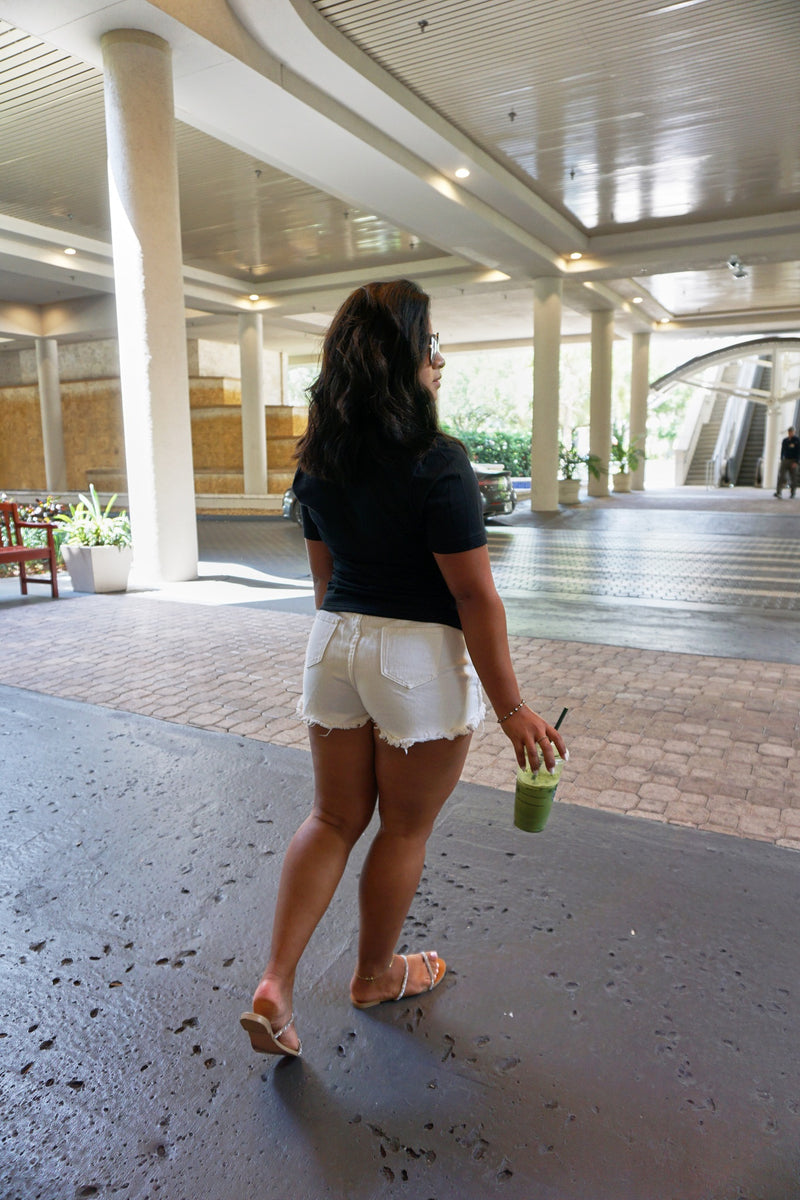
<point x="709" y="740"/>
<point x="619" y="1016"/>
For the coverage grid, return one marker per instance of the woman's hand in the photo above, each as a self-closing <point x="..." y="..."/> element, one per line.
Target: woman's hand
<point x="529" y="733"/>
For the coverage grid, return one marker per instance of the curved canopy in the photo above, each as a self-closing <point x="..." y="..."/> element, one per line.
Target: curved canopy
<point x="768" y="352"/>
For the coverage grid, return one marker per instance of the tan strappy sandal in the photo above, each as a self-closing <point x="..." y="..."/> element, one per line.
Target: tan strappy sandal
<point x="436" y="976"/>
<point x="264" y="1039"/>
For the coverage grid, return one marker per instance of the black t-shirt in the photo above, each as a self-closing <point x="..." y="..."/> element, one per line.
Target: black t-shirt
<point x="383" y="529"/>
<point x="790" y="448"/>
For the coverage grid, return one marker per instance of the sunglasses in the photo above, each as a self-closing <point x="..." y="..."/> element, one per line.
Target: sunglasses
<point x="434" y="346"/>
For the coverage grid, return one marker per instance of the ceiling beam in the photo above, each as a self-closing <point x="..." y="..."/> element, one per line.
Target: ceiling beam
<point x="700" y="245"/>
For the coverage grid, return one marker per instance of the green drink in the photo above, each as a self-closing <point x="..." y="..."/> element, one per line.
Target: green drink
<point x="534" y="795"/>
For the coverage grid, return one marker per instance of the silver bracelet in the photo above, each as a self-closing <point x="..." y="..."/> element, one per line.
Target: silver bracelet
<point x="502" y="720"/>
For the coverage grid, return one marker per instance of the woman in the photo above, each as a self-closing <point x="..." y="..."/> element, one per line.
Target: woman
<point x="405" y="598"/>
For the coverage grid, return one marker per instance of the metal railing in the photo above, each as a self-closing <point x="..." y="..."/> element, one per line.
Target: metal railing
<point x="711" y="473"/>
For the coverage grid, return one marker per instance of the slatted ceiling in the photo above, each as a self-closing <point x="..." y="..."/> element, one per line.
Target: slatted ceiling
<point x="52" y="137"/>
<point x="29" y="67"/>
<point x="41" y="80"/>
<point x="35" y="94"/>
<point x="612" y="91"/>
<point x="575" y="71"/>
<point x="14" y="42"/>
<point x="39" y="67"/>
<point x="52" y="152"/>
<point x="272" y="224"/>
<point x="767" y="285"/>
<point x="53" y="171"/>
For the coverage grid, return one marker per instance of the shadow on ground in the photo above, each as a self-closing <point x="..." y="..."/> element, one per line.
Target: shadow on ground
<point x="619" y="1020"/>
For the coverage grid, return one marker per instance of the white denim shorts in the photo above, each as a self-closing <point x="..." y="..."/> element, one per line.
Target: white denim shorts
<point x="413" y="679"/>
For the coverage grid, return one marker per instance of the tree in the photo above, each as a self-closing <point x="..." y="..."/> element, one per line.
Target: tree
<point x="489" y="390"/>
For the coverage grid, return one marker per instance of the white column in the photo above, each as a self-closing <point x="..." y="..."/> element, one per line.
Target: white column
<point x="145" y="230"/>
<point x="546" y="352"/>
<point x="284" y="368"/>
<point x="254" y="434"/>
<point x="774" y="433"/>
<point x="640" y="379"/>
<point x="600" y="397"/>
<point x="55" y="463"/>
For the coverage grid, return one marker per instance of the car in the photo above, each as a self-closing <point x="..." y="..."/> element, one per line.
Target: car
<point x="291" y="507"/>
<point x="496" y="488"/>
<point x="494" y="484"/>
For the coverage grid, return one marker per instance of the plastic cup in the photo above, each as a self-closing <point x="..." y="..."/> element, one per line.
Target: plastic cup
<point x="534" y="795"/>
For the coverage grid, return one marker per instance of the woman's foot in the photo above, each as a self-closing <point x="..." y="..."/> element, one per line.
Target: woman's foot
<point x="270" y="1025"/>
<point x="408" y="975"/>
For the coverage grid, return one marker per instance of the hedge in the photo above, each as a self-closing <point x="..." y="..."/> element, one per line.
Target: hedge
<point x="513" y="450"/>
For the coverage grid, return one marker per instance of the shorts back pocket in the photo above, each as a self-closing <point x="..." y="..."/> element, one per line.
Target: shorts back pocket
<point x="412" y="655"/>
<point x="322" y="631"/>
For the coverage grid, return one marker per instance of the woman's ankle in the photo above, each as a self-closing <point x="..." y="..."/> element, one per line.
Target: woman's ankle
<point x="369" y="973"/>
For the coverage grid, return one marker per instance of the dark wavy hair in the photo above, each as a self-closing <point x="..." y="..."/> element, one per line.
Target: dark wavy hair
<point x="367" y="405"/>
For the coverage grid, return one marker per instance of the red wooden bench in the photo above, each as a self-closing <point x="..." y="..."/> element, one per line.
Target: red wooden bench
<point x="13" y="550"/>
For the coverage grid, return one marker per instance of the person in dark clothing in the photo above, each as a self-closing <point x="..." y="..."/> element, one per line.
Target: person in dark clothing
<point x="408" y="622"/>
<point x="790" y="463"/>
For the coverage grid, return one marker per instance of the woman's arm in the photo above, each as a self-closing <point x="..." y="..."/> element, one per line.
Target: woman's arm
<point x="320" y="560"/>
<point x="483" y="619"/>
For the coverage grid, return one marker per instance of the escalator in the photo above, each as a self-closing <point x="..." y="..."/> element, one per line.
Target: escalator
<point x="745" y="466"/>
<point x="752" y="461"/>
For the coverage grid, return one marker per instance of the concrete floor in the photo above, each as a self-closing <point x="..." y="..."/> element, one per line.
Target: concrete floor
<point x="619" y="1020"/>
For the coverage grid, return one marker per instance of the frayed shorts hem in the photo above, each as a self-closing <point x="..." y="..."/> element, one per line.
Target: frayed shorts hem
<point x="402" y="743"/>
<point x="405" y="743"/>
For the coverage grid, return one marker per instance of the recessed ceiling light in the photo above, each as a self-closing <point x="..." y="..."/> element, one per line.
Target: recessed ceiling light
<point x="253" y="296"/>
<point x="576" y="254"/>
<point x="637" y="300"/>
<point x="664" y="321"/>
<point x="462" y="173"/>
<point x="70" y="250"/>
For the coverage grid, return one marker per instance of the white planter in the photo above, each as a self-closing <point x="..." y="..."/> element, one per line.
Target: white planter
<point x="622" y="482"/>
<point x="98" y="568"/>
<point x="568" y="490"/>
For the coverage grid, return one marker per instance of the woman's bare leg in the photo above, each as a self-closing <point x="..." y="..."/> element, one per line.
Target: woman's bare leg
<point x="345" y="791"/>
<point x="412" y="788"/>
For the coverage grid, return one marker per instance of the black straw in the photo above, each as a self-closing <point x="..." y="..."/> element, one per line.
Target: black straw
<point x="561" y="718"/>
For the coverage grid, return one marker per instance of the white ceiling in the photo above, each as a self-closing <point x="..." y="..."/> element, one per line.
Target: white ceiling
<point x="318" y="142"/>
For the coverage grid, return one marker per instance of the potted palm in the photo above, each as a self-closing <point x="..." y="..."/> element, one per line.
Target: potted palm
<point x="96" y="546"/>
<point x="625" y="456"/>
<point x="570" y="465"/>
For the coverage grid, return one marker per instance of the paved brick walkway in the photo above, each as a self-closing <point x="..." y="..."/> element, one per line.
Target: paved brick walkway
<point x="712" y="743"/>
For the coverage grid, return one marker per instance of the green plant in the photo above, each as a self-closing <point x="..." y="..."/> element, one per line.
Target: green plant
<point x="625" y="455"/>
<point x="513" y="450"/>
<point x="90" y="525"/>
<point x="570" y="462"/>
